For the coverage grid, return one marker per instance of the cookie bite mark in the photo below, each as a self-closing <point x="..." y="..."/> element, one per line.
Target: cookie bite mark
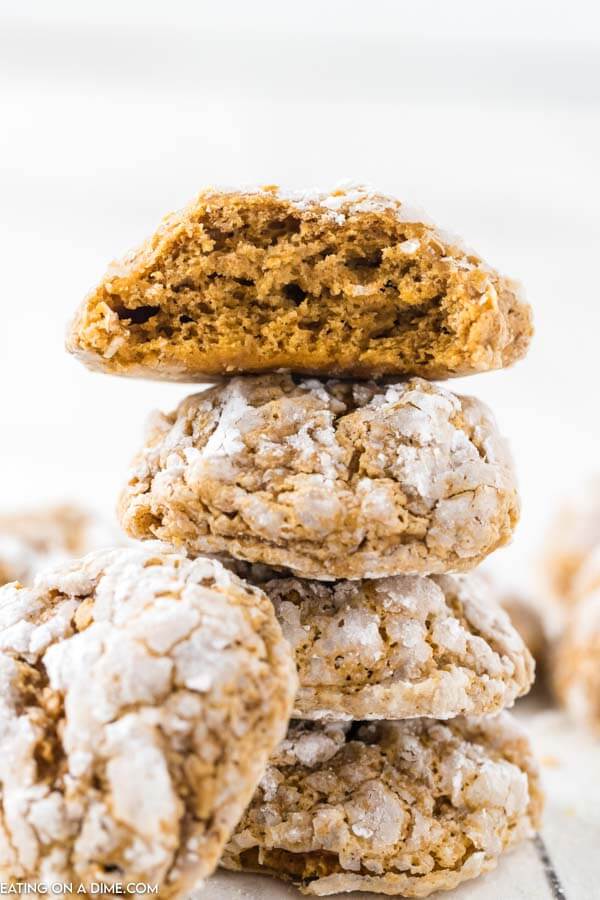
<point x="349" y="283"/>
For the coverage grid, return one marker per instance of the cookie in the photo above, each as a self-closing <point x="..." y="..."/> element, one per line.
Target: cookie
<point x="328" y="479"/>
<point x="586" y="579"/>
<point x="573" y="535"/>
<point x="403" y="808"/>
<point x="576" y="663"/>
<point x="34" y="539"/>
<point x="142" y="694"/>
<point x="349" y="283"/>
<point x="400" y="647"/>
<point x="527" y="620"/>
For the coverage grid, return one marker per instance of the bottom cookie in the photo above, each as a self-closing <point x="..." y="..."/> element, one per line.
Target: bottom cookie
<point x="403" y="807"/>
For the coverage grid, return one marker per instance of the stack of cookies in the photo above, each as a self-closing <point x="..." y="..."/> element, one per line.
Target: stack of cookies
<point x="329" y="471"/>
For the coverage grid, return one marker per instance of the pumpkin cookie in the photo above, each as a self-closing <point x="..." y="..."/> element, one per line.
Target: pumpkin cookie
<point x="526" y="618"/>
<point x="576" y="669"/>
<point x="34" y="539"/>
<point x="400" y="647"/>
<point x="403" y="808"/>
<point x="572" y="537"/>
<point x="586" y="580"/>
<point x="142" y="694"/>
<point x="349" y="283"/>
<point x="330" y="480"/>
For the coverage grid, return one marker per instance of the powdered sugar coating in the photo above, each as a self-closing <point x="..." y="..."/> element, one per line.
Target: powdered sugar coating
<point x="400" y="647"/>
<point x="127" y="670"/>
<point x="329" y="479"/>
<point x="390" y="807"/>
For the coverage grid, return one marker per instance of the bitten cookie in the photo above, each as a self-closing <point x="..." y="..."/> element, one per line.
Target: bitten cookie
<point x="349" y="283"/>
<point x="34" y="539"/>
<point x="400" y="647"/>
<point x="141" y="695"/>
<point x="330" y="480"/>
<point x="576" y="670"/>
<point x="391" y="807"/>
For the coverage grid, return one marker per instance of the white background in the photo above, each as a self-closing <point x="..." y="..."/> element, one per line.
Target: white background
<point x="114" y="113"/>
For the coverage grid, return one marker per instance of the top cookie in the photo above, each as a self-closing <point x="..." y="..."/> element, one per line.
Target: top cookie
<point x="349" y="283"/>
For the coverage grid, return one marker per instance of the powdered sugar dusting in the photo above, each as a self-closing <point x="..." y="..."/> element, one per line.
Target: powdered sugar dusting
<point x="330" y="479"/>
<point x="373" y="807"/>
<point x="119" y="666"/>
<point x="399" y="647"/>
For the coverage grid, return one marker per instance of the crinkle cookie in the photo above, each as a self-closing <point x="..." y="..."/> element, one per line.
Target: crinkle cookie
<point x="349" y="283"/>
<point x="576" y="670"/>
<point x="35" y="539"/>
<point x="573" y="536"/>
<point x="330" y="480"/>
<point x="400" y="647"/>
<point x="526" y="618"/>
<point x="586" y="580"/>
<point x="391" y="807"/>
<point x="141" y="695"/>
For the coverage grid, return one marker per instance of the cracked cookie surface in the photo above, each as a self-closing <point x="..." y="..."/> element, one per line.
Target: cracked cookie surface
<point x="349" y="283"/>
<point x="390" y="807"/>
<point x="37" y="538"/>
<point x="141" y="695"/>
<point x="400" y="647"/>
<point x="327" y="479"/>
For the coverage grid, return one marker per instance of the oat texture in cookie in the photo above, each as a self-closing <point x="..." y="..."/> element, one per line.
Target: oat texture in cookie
<point x="400" y="647"/>
<point x="576" y="663"/>
<point x="141" y="696"/>
<point x="349" y="283"/>
<point x="37" y="538"/>
<point x="329" y="479"/>
<point x="404" y="808"/>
